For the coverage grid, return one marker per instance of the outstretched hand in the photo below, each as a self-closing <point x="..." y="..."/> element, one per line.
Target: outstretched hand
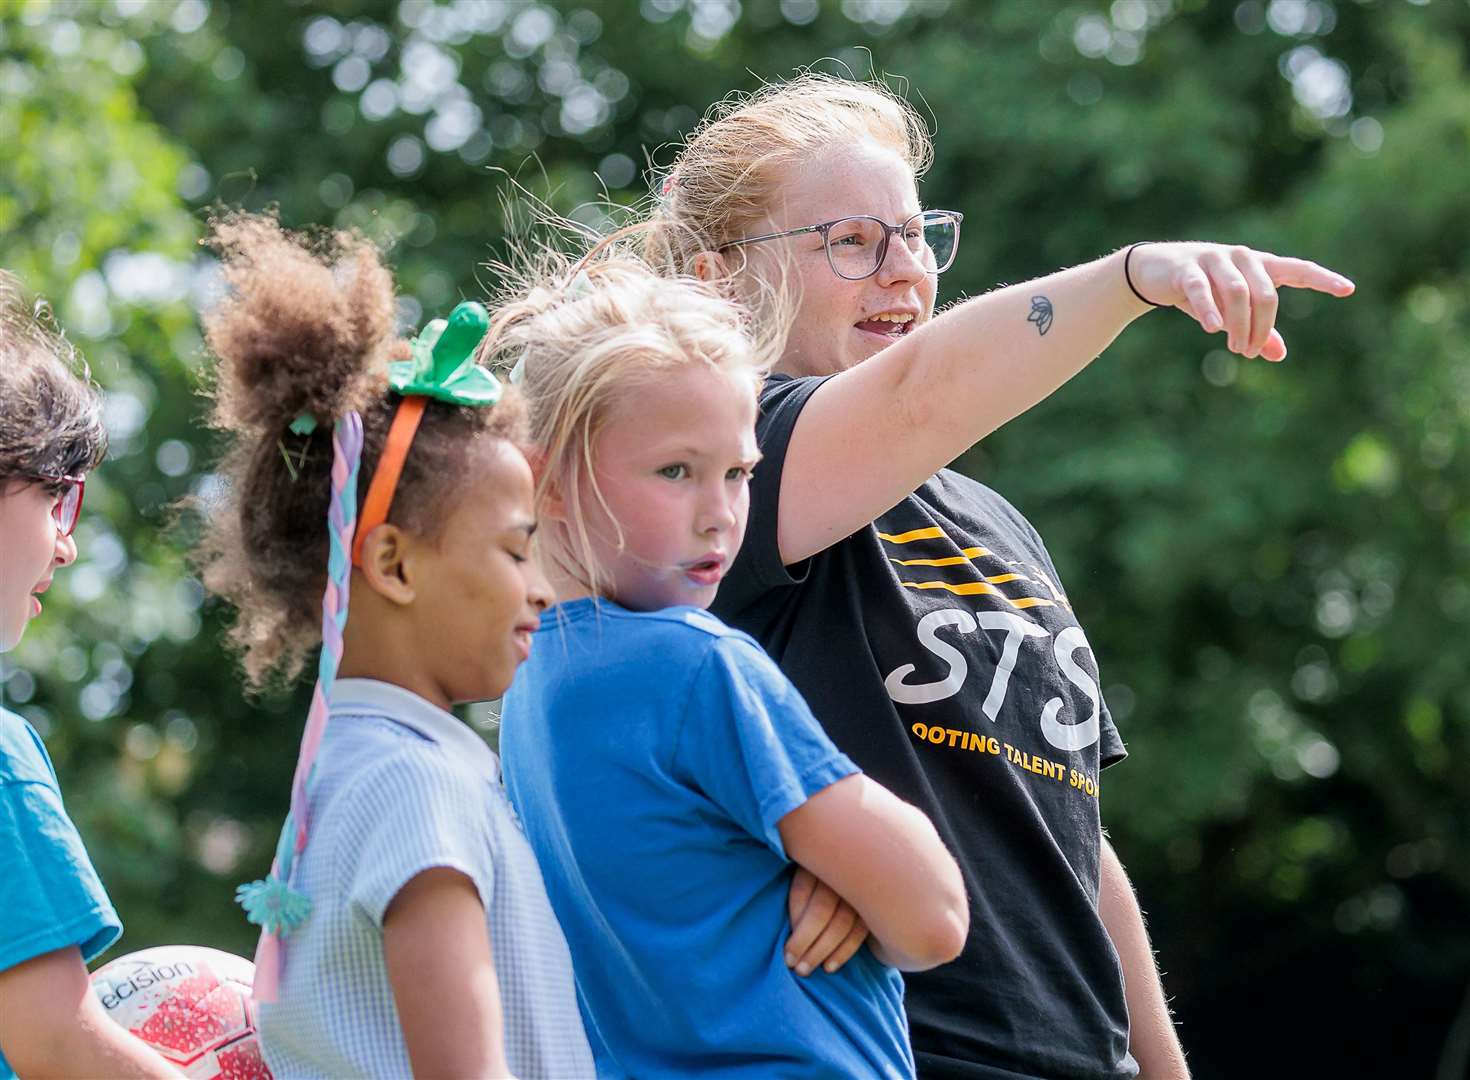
<point x="825" y="930"/>
<point x="1228" y="287"/>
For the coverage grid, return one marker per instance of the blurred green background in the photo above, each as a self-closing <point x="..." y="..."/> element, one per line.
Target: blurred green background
<point x="1273" y="563"/>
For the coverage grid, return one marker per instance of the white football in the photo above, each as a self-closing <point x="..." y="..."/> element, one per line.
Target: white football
<point x="189" y="1003"/>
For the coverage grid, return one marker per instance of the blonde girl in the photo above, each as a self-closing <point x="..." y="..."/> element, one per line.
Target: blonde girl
<point x="406" y="928"/>
<point x="670" y="777"/>
<point x="918" y="611"/>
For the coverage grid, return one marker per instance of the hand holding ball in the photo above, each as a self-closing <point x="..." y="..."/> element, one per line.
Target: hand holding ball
<point x="190" y="1004"/>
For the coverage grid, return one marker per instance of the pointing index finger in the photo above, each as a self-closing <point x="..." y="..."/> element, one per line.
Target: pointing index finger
<point x="1304" y="274"/>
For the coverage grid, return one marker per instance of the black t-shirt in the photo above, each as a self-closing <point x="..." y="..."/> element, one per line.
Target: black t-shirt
<point x="938" y="649"/>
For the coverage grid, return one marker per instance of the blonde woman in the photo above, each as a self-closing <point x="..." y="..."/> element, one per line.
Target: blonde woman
<point x="918" y="611"/>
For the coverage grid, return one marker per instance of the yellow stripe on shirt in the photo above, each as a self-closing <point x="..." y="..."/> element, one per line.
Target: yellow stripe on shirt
<point x="933" y="532"/>
<point x="961" y="559"/>
<point x="980" y="588"/>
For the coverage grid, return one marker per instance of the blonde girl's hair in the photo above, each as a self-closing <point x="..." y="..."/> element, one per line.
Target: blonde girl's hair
<point x="581" y="336"/>
<point x="730" y="170"/>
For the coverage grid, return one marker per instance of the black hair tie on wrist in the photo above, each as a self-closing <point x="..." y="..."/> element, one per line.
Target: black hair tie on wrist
<point x="1128" y="277"/>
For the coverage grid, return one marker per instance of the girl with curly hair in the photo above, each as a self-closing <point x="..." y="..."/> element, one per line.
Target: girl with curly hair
<point x="405" y="925"/>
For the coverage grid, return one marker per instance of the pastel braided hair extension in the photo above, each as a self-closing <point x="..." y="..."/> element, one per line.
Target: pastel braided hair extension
<point x="272" y="904"/>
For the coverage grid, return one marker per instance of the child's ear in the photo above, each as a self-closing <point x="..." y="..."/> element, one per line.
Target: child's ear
<point x="550" y="503"/>
<point x="385" y="564"/>
<point x="553" y="506"/>
<point x="536" y="458"/>
<point x="710" y="266"/>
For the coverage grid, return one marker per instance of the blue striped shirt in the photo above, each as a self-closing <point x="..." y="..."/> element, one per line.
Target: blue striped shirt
<point x="400" y="787"/>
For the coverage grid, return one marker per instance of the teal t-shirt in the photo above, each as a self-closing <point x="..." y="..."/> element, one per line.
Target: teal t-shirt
<point x="651" y="756"/>
<point x="50" y="895"/>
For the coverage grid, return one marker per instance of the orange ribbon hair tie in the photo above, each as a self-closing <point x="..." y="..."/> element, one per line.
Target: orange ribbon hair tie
<point x="441" y="365"/>
<point x="390" y="466"/>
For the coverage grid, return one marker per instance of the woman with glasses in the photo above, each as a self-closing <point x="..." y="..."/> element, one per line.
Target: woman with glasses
<point x="916" y="609"/>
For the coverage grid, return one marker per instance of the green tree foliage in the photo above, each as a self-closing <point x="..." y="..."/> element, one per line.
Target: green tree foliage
<point x="1271" y="561"/>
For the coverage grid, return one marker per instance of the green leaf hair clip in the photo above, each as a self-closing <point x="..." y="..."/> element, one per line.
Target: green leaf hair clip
<point x="443" y="361"/>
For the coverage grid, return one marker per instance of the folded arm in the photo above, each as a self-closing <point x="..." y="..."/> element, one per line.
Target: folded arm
<point x="826" y="931"/>
<point x="884" y="858"/>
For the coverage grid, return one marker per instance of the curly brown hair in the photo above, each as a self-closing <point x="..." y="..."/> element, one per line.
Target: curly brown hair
<point x="306" y="327"/>
<point x="50" y="411"/>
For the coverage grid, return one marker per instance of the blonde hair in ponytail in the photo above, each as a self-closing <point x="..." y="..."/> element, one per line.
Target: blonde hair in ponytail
<point x="730" y="170"/>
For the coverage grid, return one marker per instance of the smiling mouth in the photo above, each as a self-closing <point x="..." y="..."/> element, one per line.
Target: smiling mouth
<point x="889" y="326"/>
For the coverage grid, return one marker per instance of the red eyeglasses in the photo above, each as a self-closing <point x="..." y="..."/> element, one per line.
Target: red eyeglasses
<point x="68" y="500"/>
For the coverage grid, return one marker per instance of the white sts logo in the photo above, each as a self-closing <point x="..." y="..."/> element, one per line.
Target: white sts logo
<point x="1016" y="628"/>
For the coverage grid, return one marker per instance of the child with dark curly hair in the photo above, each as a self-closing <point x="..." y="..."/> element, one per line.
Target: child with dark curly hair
<point x="412" y="933"/>
<point x="57" y="915"/>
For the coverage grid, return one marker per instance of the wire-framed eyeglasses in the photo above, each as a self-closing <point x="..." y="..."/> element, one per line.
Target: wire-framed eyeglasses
<point x="856" y="246"/>
<point x="68" y="507"/>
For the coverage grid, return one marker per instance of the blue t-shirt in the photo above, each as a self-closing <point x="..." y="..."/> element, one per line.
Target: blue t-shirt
<point x="50" y="896"/>
<point x="651" y="756"/>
